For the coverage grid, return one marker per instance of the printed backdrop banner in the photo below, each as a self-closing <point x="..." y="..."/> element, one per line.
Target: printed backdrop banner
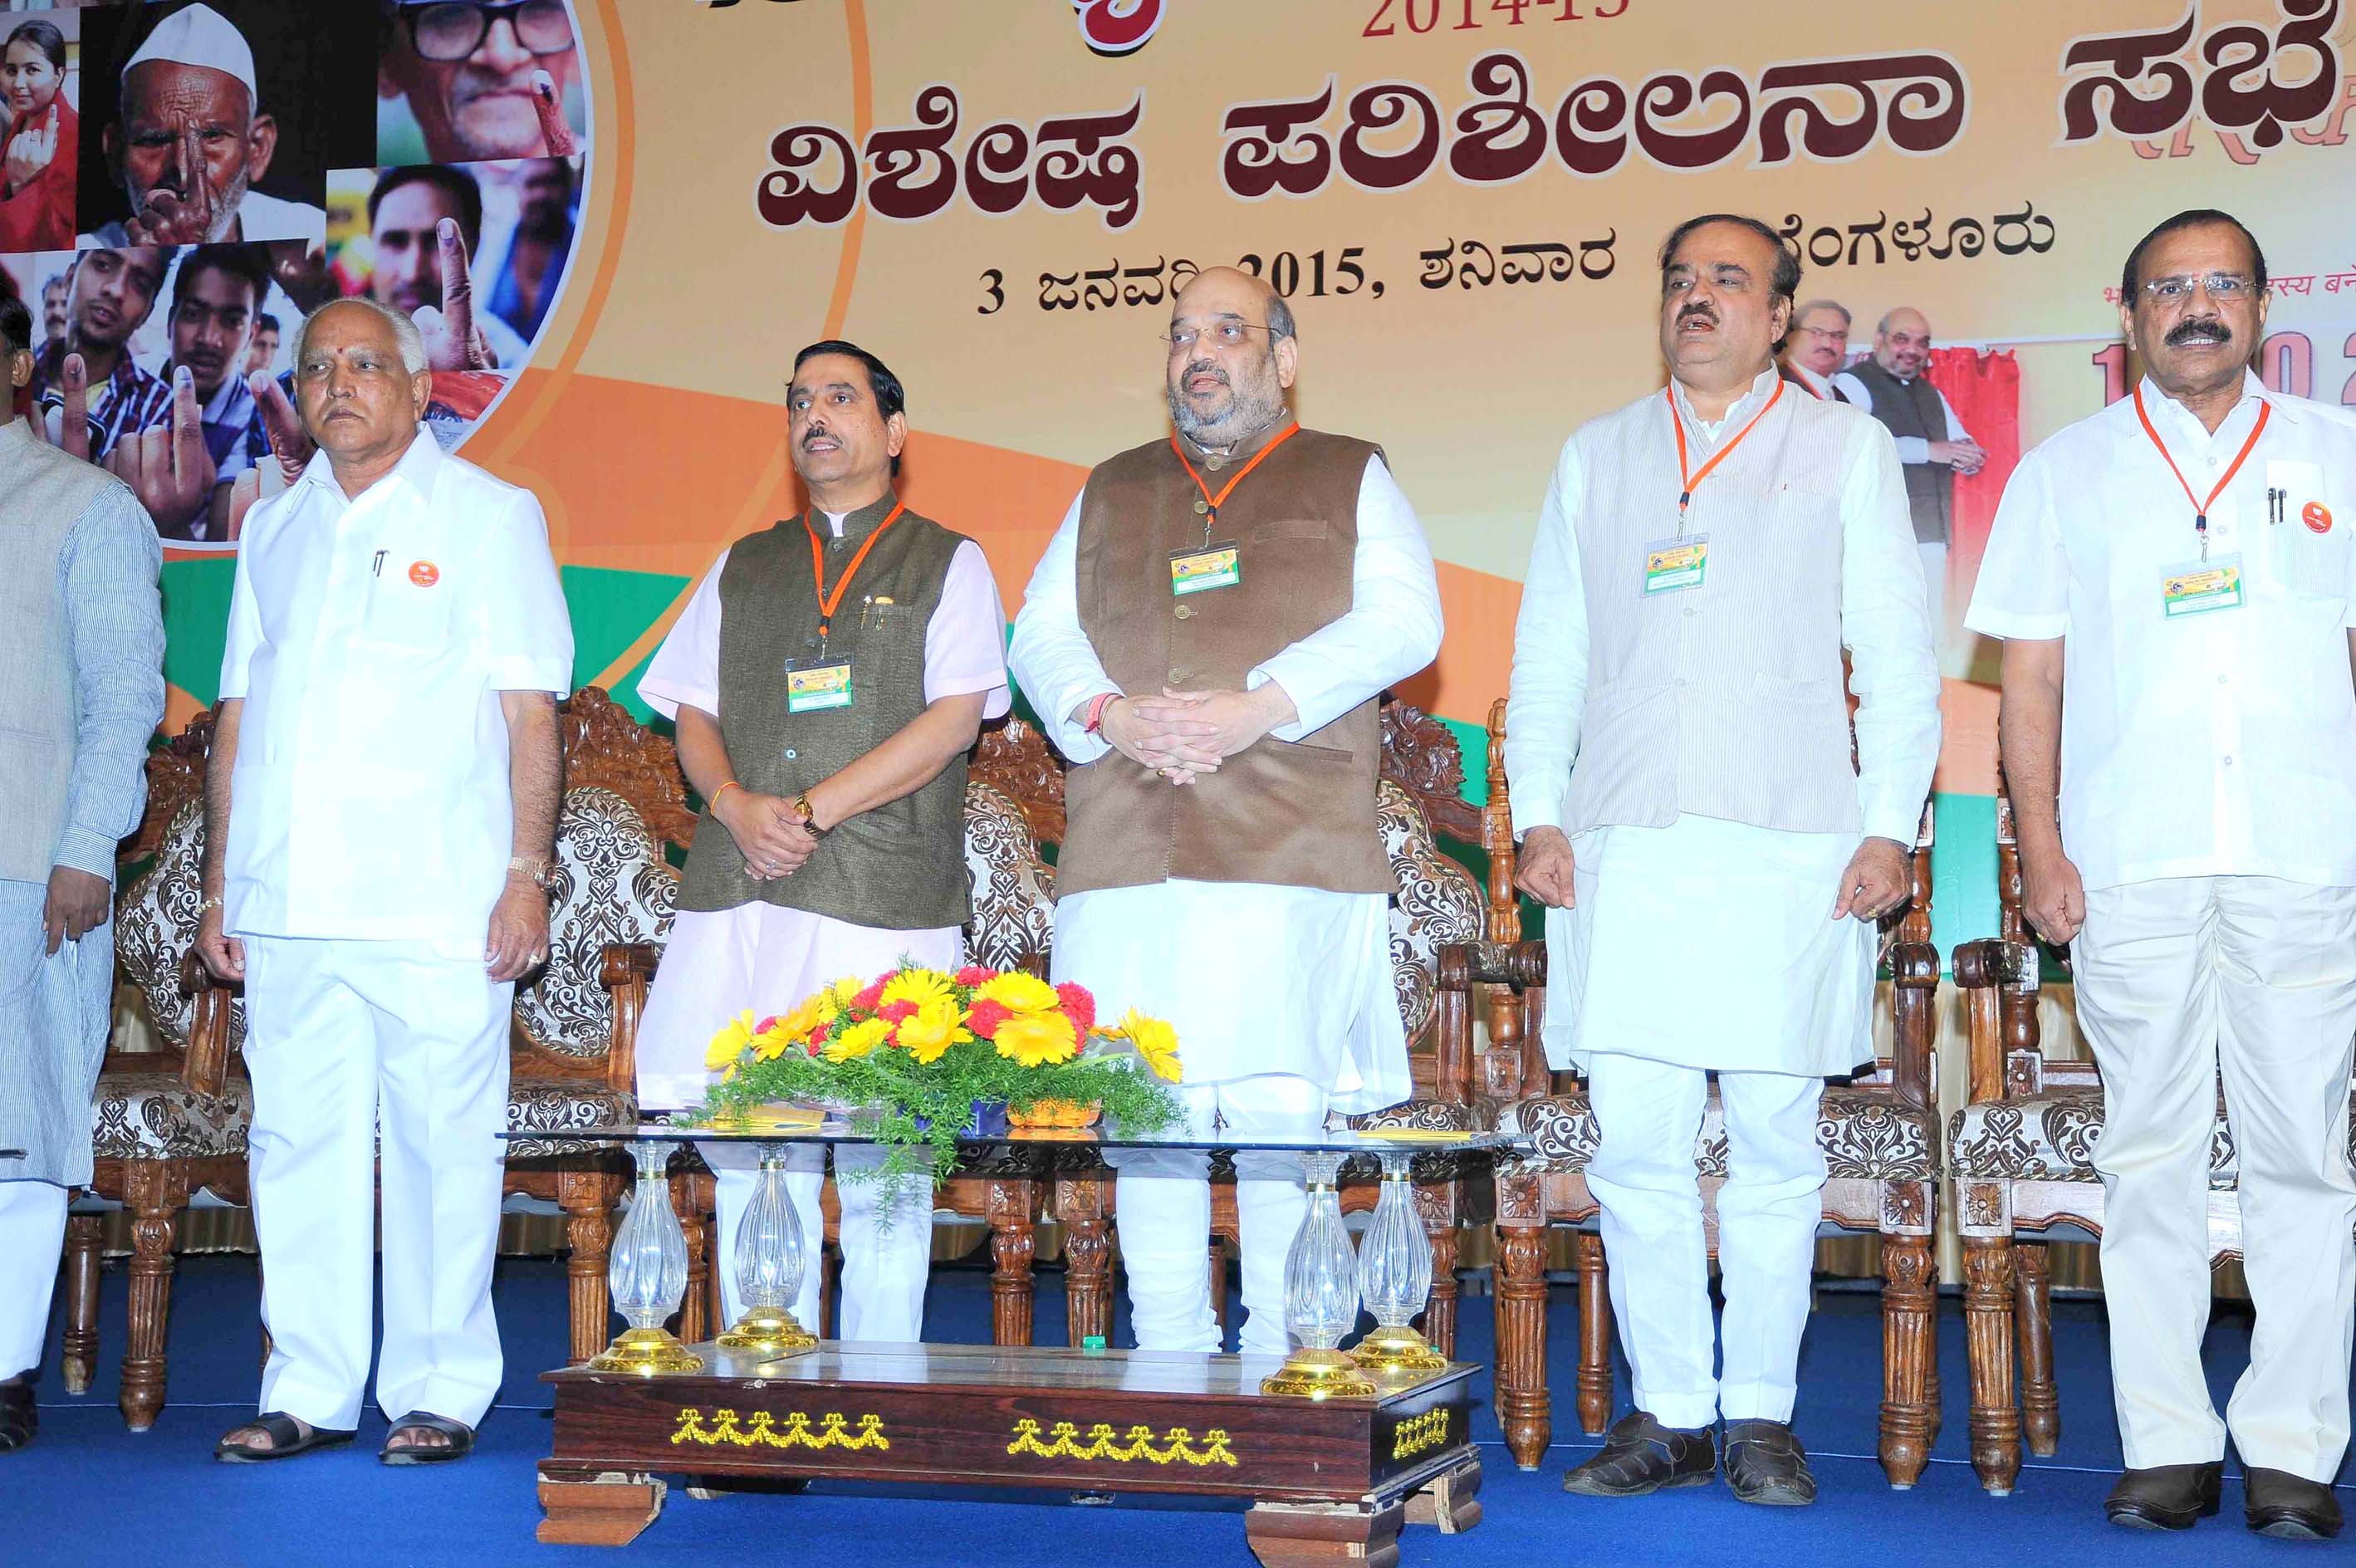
<point x="1461" y="199"/>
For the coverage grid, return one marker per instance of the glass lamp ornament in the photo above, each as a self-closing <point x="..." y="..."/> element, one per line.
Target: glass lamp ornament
<point x="1321" y="1295"/>
<point x="1395" y="1276"/>
<point x="649" y="1276"/>
<point x="771" y="1258"/>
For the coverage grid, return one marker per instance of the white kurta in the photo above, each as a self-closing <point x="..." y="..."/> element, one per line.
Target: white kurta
<point x="1280" y="980"/>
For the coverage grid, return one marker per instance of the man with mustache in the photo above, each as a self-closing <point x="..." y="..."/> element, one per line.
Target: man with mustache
<point x="2178" y="567"/>
<point x="189" y="143"/>
<point x="1679" y="744"/>
<point x="425" y="221"/>
<point x="1818" y="349"/>
<point x="217" y="293"/>
<point x="1931" y="441"/>
<point x="828" y="678"/>
<point x="54" y="294"/>
<point x="262" y="349"/>
<point x="92" y="393"/>
<point x="1206" y="638"/>
<point x="483" y="78"/>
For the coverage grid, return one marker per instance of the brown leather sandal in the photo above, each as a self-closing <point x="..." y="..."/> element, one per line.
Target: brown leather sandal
<point x="461" y="1444"/>
<point x="286" y="1437"/>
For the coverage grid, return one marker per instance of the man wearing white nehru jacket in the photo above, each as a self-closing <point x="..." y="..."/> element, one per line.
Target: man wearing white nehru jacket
<point x="1679" y="743"/>
<point x="189" y="141"/>
<point x="381" y="814"/>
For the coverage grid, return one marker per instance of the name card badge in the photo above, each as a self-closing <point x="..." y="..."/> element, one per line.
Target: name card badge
<point x="1199" y="571"/>
<point x="813" y="687"/>
<point x="2198" y="587"/>
<point x="1673" y="565"/>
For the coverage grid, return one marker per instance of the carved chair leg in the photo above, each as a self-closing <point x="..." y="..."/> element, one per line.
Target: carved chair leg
<point x="587" y="1196"/>
<point x="1088" y="1259"/>
<point x="2041" y="1401"/>
<point x="1013" y="1239"/>
<point x="78" y="1355"/>
<point x="1988" y="1335"/>
<point x="1594" y="1333"/>
<point x="157" y="1190"/>
<point x="1440" y="1309"/>
<point x="695" y="1311"/>
<point x="1524" y="1406"/>
<point x="1910" y="1344"/>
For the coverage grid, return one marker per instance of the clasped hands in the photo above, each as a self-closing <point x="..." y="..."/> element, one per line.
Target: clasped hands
<point x="1181" y="736"/>
<point x="769" y="833"/>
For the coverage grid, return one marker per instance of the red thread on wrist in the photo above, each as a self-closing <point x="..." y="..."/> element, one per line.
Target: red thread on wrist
<point x="1097" y="707"/>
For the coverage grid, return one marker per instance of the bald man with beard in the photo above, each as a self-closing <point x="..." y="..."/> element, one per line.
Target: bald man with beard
<point x="1932" y="445"/>
<point x="1206" y="638"/>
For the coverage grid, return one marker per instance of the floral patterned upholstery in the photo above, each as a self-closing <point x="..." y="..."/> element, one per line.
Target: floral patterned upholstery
<point x="1013" y="890"/>
<point x="154" y="1116"/>
<point x="613" y="886"/>
<point x="1435" y="902"/>
<point x="1866" y="1134"/>
<point x="1430" y="1116"/>
<point x="2052" y="1137"/>
<point x="156" y="924"/>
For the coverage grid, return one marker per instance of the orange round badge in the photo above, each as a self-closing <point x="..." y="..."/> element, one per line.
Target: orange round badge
<point x="2317" y="516"/>
<point x="424" y="574"/>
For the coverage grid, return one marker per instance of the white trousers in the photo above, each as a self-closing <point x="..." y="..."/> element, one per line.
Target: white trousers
<point x="1650" y="1115"/>
<point x="886" y="1238"/>
<point x="2178" y="980"/>
<point x="1162" y="1199"/>
<point x="346" y="1040"/>
<point x="32" y="1239"/>
<point x="1934" y="585"/>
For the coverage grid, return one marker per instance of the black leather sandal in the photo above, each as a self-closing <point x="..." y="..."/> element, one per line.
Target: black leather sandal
<point x="461" y="1444"/>
<point x="19" y="1416"/>
<point x="286" y="1437"/>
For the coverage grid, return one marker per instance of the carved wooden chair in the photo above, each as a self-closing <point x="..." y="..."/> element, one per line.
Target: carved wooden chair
<point x="2020" y="1156"/>
<point x="1879" y="1134"/>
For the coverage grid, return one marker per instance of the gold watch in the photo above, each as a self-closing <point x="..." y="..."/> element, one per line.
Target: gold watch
<point x="808" y="814"/>
<point x="541" y="870"/>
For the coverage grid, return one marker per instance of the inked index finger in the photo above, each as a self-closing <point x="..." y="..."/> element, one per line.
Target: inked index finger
<point x="457" y="281"/>
<point x="550" y="104"/>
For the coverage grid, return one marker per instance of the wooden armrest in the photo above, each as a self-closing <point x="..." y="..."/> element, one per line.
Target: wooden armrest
<point x="625" y="969"/>
<point x="1521" y="966"/>
<point x="1513" y="1067"/>
<point x="1998" y="979"/>
<point x="1915" y="976"/>
<point x="205" y="1067"/>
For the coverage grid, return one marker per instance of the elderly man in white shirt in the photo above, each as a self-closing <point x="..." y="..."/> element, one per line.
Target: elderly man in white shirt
<point x="2176" y="589"/>
<point x="1678" y="745"/>
<point x="1206" y="638"/>
<point x="382" y="803"/>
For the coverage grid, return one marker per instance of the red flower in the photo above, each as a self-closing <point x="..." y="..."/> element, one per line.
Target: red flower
<point x="867" y="1000"/>
<point x="766" y="1025"/>
<point x="1079" y="1004"/>
<point x="896" y="1011"/>
<point x="975" y="974"/>
<point x="818" y="1035"/>
<point x="985" y="1016"/>
<point x="809" y="1048"/>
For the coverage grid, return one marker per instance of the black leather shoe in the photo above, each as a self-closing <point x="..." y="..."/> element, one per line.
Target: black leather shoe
<point x="2288" y="1507"/>
<point x="2166" y="1497"/>
<point x="1641" y="1456"/>
<point x="19" y="1417"/>
<point x="1766" y="1465"/>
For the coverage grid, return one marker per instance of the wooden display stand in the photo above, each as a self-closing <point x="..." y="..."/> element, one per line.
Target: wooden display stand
<point x="1331" y="1481"/>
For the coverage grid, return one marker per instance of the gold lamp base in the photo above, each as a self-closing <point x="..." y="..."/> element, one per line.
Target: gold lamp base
<point x="1393" y="1351"/>
<point x="1319" y="1375"/>
<point x="647" y="1352"/>
<point x="770" y="1331"/>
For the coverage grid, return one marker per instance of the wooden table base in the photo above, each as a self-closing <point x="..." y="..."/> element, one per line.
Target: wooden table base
<point x="1330" y="1482"/>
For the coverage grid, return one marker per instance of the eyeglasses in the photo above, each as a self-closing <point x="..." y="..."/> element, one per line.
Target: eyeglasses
<point x="2224" y="288"/>
<point x="1226" y="334"/>
<point x="1830" y="334"/>
<point x="449" y="30"/>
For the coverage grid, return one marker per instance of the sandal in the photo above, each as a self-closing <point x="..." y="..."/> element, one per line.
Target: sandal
<point x="461" y="1444"/>
<point x="19" y="1417"/>
<point x="286" y="1437"/>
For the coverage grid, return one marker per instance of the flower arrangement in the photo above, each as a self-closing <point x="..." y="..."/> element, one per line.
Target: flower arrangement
<point x="919" y="1048"/>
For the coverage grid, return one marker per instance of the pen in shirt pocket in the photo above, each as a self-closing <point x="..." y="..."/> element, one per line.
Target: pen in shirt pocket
<point x="2275" y="504"/>
<point x="378" y="570"/>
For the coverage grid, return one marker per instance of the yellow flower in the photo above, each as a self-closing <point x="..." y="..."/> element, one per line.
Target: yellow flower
<point x="1021" y="992"/>
<point x="857" y="1041"/>
<point x="1038" y="1039"/>
<point x="1154" y="1040"/>
<point x="769" y="1046"/>
<point x="934" y="1028"/>
<point x="730" y="1043"/>
<point x="833" y="998"/>
<point x="921" y="987"/>
<point x="796" y="1026"/>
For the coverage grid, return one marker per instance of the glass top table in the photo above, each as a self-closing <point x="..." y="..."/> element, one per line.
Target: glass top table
<point x="1343" y="1142"/>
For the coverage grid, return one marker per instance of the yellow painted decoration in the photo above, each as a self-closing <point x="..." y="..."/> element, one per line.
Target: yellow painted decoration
<point x="762" y="1431"/>
<point x="1425" y="1432"/>
<point x="1177" y="1443"/>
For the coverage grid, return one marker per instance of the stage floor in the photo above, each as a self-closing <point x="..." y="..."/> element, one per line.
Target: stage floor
<point x="88" y="1492"/>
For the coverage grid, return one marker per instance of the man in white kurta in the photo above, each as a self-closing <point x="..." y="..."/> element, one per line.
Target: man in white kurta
<point x="382" y="803"/>
<point x="1279" y="986"/>
<point x="846" y="425"/>
<point x="1678" y="749"/>
<point x="2175" y="585"/>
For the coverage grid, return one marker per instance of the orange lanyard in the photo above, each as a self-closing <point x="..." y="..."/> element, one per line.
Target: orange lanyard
<point x="829" y="603"/>
<point x="1691" y="479"/>
<point x="1212" y="503"/>
<point x="2199" y="507"/>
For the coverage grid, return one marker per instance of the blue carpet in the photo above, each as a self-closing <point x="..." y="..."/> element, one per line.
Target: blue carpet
<point x="88" y="1492"/>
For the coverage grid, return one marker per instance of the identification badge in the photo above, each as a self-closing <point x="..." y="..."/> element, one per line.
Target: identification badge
<point x="812" y="688"/>
<point x="1199" y="571"/>
<point x="1673" y="565"/>
<point x="2198" y="587"/>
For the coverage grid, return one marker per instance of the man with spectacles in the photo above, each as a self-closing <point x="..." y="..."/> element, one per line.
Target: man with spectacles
<point x="1206" y="638"/>
<point x="483" y="78"/>
<point x="2179" y="567"/>
<point x="1817" y="349"/>
<point x="1931" y="441"/>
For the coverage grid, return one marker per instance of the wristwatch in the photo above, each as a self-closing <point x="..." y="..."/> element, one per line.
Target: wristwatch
<point x="808" y="815"/>
<point x="541" y="870"/>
